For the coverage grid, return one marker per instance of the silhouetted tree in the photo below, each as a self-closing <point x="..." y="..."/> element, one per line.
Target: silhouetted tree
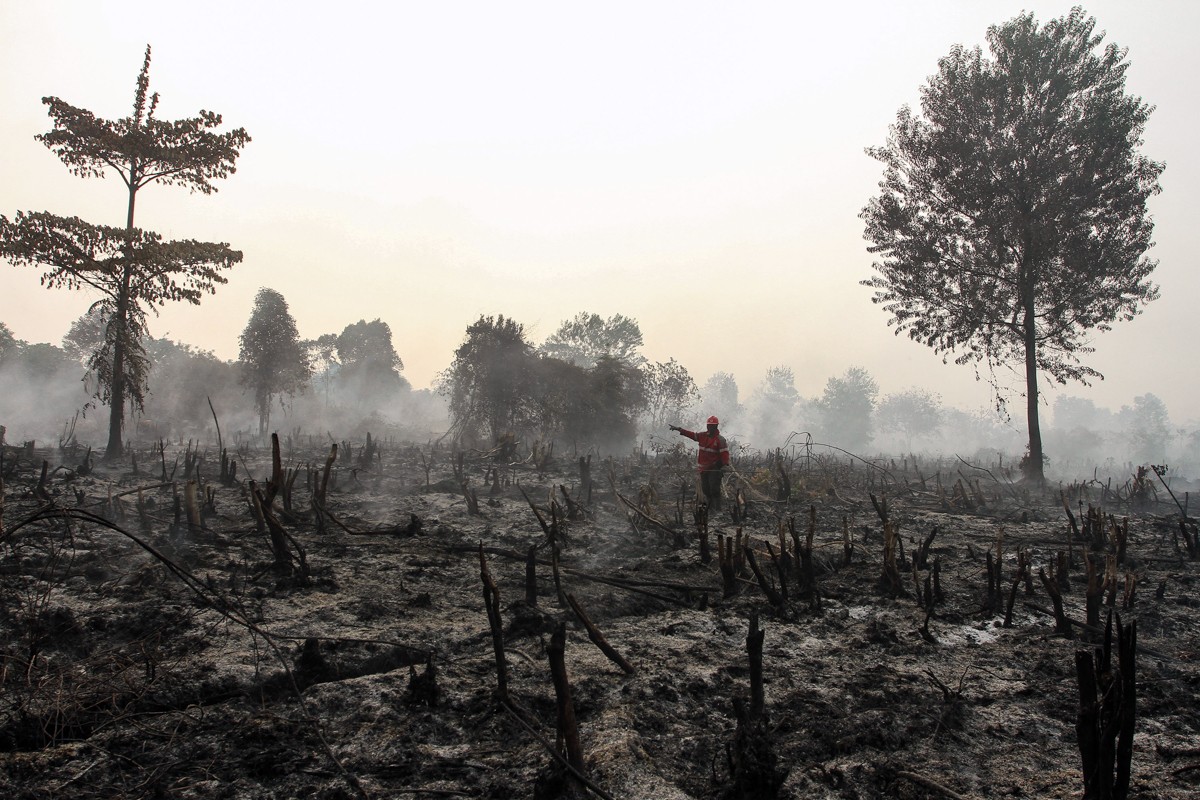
<point x="133" y="270"/>
<point x="8" y="343"/>
<point x="183" y="380"/>
<point x="773" y="405"/>
<point x="41" y="387"/>
<point x="846" y="408"/>
<point x="586" y="338"/>
<point x="1012" y="219"/>
<point x="913" y="413"/>
<point x="1149" y="428"/>
<point x="86" y="334"/>
<point x="719" y="396"/>
<point x="670" y="391"/>
<point x="612" y="397"/>
<point x="491" y="384"/>
<point x="369" y="368"/>
<point x="273" y="360"/>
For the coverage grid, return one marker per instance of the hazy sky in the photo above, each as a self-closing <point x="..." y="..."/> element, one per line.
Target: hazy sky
<point x="696" y="166"/>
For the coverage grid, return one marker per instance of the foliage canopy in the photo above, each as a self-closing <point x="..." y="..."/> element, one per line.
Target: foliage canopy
<point x="133" y="270"/>
<point x="1011" y="219"/>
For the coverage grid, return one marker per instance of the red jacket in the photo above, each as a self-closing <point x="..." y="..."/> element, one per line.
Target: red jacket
<point x="714" y="449"/>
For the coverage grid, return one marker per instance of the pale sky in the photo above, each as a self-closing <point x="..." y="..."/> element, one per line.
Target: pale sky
<point x="696" y="166"/>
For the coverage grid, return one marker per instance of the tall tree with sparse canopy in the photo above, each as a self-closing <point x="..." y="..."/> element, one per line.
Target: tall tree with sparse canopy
<point x="1011" y="219"/>
<point x="133" y="270"/>
<point x="273" y="361"/>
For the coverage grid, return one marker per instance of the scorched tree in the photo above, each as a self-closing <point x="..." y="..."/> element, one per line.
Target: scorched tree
<point x="1011" y="218"/>
<point x="132" y="270"/>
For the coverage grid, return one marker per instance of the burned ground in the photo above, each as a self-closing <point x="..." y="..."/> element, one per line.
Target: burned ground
<point x="161" y="640"/>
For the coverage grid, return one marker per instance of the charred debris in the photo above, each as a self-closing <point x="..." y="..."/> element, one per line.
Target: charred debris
<point x="372" y="618"/>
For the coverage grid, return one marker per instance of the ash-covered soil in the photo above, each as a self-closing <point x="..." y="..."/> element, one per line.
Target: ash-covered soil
<point x="343" y="649"/>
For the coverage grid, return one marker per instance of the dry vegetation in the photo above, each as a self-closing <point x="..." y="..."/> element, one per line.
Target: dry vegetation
<point x="321" y="626"/>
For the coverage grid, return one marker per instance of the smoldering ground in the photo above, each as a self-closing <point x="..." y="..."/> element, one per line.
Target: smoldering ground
<point x="167" y="635"/>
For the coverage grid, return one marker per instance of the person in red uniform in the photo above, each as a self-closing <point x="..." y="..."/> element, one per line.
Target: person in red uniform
<point x="711" y="460"/>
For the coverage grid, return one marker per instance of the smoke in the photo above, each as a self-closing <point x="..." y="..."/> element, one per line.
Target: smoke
<point x="46" y="399"/>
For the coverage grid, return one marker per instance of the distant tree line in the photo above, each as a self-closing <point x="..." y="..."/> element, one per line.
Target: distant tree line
<point x="499" y="383"/>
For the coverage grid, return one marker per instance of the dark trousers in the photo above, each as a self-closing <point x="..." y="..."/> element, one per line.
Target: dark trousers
<point x="710" y="484"/>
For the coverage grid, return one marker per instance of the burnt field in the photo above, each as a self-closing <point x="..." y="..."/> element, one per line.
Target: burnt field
<point x="321" y="622"/>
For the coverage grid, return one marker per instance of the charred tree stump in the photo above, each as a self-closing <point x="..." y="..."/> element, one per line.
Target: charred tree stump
<point x="804" y="554"/>
<point x="753" y="765"/>
<point x="1130" y="591"/>
<point x="921" y="557"/>
<point x="992" y="599"/>
<point x="41" y="491"/>
<point x="574" y="510"/>
<point x="1094" y="594"/>
<point x="568" y="729"/>
<point x="773" y="596"/>
<point x="558" y="590"/>
<point x="1120" y="537"/>
<point x="322" y="488"/>
<point x="1107" y="713"/>
<point x="585" y="479"/>
<point x="1012" y="598"/>
<point x="754" y="647"/>
<point x="1062" y="626"/>
<point x="192" y="506"/>
<point x="728" y="571"/>
<point x="889" y="580"/>
<point x="491" y="601"/>
<point x="531" y="577"/>
<point x="700" y="515"/>
<point x="787" y="560"/>
<point x="781" y="572"/>
<point x="1073" y="534"/>
<point x="281" y="543"/>
<point x="847" y="544"/>
<point x="740" y="508"/>
<point x="423" y="687"/>
<point x="598" y="638"/>
<point x="472" y="500"/>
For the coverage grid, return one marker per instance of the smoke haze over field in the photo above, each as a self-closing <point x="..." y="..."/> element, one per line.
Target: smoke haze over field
<point x="697" y="167"/>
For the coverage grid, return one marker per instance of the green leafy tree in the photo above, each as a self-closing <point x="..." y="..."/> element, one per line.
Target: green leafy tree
<point x="846" y="406"/>
<point x="1012" y="218"/>
<point x="273" y="360"/>
<point x="913" y="413"/>
<point x="133" y="270"/>
<point x="586" y="338"/>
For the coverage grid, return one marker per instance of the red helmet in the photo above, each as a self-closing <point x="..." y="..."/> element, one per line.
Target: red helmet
<point x="714" y="421"/>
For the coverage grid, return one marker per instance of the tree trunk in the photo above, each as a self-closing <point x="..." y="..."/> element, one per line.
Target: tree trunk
<point x="1034" y="466"/>
<point x="116" y="416"/>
